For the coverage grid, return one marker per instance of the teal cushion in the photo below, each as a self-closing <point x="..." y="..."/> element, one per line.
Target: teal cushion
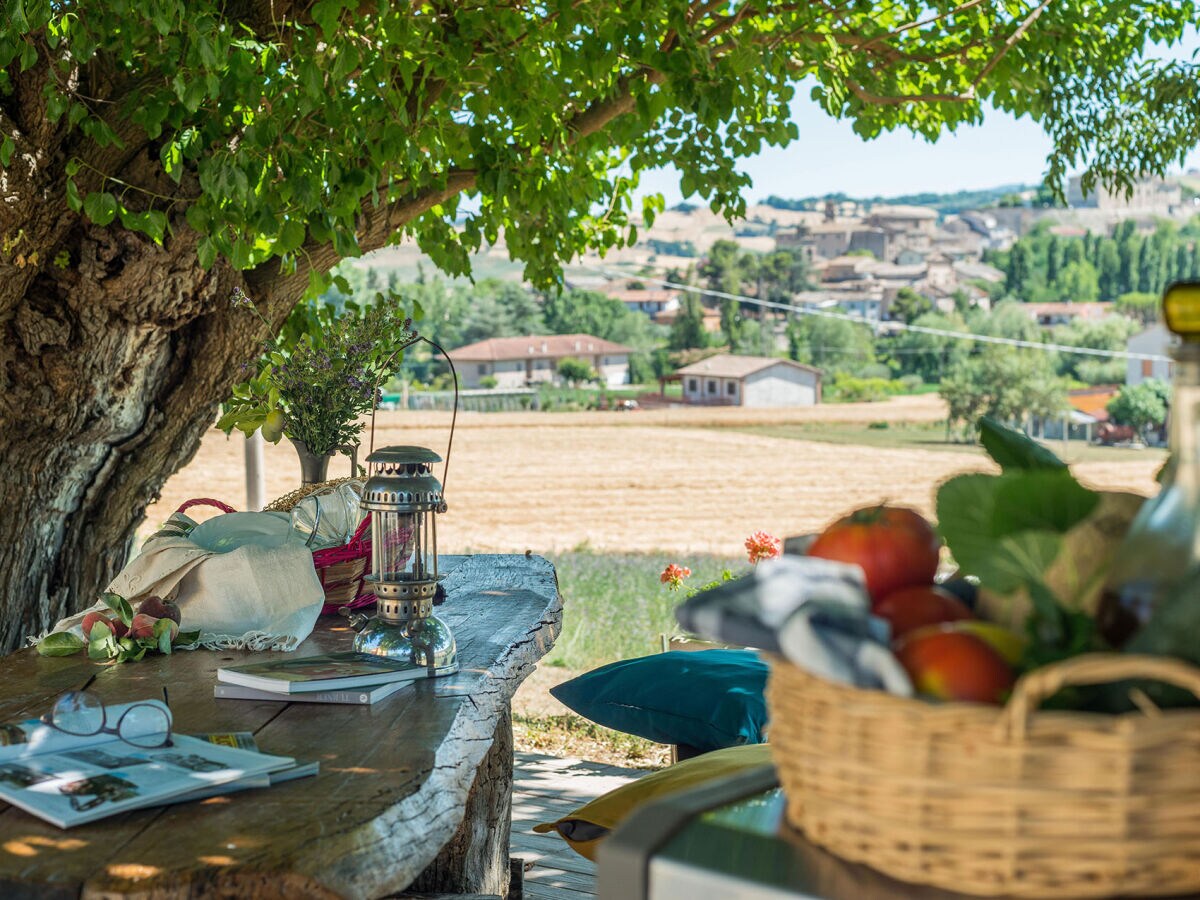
<point x="708" y="699"/>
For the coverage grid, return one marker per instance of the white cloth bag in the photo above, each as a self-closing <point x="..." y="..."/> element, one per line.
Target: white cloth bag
<point x="252" y="598"/>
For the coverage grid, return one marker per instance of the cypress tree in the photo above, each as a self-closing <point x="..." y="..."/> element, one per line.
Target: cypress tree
<point x="1053" y="259"/>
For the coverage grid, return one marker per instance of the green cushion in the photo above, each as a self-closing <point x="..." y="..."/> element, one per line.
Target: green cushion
<point x="708" y="699"/>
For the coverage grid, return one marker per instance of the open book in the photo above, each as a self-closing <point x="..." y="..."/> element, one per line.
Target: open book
<point x="71" y="779"/>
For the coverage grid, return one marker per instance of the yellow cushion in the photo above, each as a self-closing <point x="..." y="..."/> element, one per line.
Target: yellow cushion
<point x="587" y="826"/>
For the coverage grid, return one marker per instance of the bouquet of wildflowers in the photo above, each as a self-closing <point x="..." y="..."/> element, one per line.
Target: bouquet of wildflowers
<point x="314" y="381"/>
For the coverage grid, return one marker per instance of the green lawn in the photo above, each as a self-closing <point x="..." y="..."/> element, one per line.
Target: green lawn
<point x="615" y="607"/>
<point x="914" y="436"/>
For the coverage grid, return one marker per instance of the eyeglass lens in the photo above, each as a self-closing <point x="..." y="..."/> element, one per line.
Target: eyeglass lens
<point x="78" y="713"/>
<point x="145" y="725"/>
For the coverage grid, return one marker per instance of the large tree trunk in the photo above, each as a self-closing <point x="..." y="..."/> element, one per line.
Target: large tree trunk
<point x="113" y="363"/>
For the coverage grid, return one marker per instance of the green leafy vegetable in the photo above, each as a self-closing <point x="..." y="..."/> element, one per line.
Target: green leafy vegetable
<point x="1015" y="450"/>
<point x="1008" y="530"/>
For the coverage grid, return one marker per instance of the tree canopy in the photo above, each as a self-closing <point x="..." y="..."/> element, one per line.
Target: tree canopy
<point x="297" y="131"/>
<point x="158" y="154"/>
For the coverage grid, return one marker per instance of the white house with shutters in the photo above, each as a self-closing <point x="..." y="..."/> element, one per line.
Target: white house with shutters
<point x="730" y="380"/>
<point x="517" y="362"/>
<point x="1155" y="341"/>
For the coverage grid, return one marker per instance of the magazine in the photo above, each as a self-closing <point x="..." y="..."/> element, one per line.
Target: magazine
<point x="73" y="779"/>
<point x="244" y="740"/>
<point x="365" y="695"/>
<point x="329" y="672"/>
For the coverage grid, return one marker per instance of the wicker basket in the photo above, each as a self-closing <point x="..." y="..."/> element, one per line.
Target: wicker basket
<point x="341" y="570"/>
<point x="993" y="802"/>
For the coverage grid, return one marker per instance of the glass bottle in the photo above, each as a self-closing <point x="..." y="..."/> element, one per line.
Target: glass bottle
<point x="1162" y="548"/>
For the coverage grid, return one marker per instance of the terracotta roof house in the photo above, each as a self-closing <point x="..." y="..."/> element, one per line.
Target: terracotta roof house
<point x="650" y="301"/>
<point x="516" y="362"/>
<point x="729" y="380"/>
<point x="1060" y="313"/>
<point x="711" y="318"/>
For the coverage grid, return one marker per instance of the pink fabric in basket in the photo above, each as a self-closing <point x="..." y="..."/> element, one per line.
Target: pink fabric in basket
<point x="359" y="547"/>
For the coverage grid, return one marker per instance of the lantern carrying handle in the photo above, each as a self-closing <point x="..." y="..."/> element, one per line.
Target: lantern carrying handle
<point x="454" y="413"/>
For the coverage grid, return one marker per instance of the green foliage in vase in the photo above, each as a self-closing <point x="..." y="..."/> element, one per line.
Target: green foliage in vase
<point x="324" y="371"/>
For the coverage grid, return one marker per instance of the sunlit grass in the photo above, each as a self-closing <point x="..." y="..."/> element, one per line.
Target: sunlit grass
<point x="573" y="736"/>
<point x="615" y="607"/>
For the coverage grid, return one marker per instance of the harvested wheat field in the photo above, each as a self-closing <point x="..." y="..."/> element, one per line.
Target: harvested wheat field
<point x="663" y="479"/>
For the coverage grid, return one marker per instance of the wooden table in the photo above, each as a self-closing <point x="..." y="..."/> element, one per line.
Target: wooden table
<point x="414" y="792"/>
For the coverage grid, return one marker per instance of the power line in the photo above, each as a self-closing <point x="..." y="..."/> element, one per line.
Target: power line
<point x="893" y="326"/>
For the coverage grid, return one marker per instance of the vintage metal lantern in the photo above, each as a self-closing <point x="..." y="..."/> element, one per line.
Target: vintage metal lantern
<point x="405" y="499"/>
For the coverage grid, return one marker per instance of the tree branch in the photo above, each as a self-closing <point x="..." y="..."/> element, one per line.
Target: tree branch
<point x="1008" y="44"/>
<point x="918" y="24"/>
<point x="901" y="99"/>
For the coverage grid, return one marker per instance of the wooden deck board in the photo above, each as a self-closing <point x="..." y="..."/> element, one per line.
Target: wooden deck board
<point x="546" y="788"/>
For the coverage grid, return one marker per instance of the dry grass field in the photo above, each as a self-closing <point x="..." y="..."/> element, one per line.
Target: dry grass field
<point x="652" y="480"/>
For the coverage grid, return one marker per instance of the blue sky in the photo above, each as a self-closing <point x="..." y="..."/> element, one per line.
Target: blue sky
<point x="830" y="157"/>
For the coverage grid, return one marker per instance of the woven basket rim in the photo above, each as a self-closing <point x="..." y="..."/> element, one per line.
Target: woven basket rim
<point x="997" y="714"/>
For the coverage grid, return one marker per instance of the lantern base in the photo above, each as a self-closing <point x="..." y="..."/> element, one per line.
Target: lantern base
<point x="424" y="641"/>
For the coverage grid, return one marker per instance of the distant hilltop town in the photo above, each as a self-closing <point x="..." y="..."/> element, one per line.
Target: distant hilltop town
<point x="863" y="253"/>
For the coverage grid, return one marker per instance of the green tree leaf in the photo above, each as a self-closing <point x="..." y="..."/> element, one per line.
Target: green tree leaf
<point x="119" y="605"/>
<point x="101" y="208"/>
<point x="206" y="252"/>
<point x="102" y="649"/>
<point x="60" y="643"/>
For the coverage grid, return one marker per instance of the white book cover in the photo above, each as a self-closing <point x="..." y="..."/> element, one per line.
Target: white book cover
<point x="364" y="696"/>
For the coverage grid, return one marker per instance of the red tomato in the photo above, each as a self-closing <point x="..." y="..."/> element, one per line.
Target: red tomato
<point x="915" y="607"/>
<point x="952" y="666"/>
<point x="895" y="546"/>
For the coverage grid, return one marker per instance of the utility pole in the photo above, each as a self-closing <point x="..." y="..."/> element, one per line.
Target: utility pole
<point x="256" y="482"/>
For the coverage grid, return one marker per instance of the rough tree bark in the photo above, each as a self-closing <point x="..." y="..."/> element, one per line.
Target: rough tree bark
<point x="113" y="366"/>
<point x="115" y="355"/>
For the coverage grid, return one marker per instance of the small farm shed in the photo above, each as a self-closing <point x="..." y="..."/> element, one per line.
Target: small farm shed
<point x="730" y="380"/>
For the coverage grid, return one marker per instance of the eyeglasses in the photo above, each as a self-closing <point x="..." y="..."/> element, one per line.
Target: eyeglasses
<point x="142" y="725"/>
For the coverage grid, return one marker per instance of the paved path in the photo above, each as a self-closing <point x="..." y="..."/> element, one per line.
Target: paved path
<point x="546" y="788"/>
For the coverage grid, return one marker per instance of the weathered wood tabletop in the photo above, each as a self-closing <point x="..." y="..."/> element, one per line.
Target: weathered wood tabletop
<point x="414" y="791"/>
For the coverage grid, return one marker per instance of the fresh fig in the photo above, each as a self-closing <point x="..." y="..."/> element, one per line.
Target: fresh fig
<point x="90" y="620"/>
<point x="142" y="626"/>
<point x="159" y="609"/>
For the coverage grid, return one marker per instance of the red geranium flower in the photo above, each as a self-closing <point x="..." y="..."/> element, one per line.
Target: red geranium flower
<point x="673" y="575"/>
<point x="760" y="546"/>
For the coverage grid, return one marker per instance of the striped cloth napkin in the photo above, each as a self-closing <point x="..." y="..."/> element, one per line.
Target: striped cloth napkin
<point x="814" y="612"/>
